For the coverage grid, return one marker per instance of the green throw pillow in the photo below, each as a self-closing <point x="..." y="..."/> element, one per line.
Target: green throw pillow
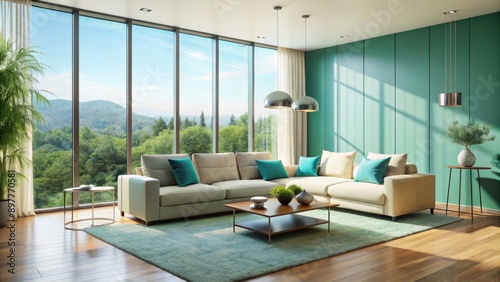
<point x="271" y="169"/>
<point x="184" y="171"/>
<point x="372" y="171"/>
<point x="308" y="166"/>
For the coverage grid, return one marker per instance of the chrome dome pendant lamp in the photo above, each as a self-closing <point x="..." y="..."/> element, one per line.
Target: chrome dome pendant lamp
<point x="451" y="98"/>
<point x="305" y="103"/>
<point x="277" y="99"/>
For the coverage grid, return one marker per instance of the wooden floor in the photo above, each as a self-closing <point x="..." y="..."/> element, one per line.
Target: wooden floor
<point x="463" y="251"/>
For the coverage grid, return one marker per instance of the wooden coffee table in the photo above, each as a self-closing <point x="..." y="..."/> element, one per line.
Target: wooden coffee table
<point x="285" y="217"/>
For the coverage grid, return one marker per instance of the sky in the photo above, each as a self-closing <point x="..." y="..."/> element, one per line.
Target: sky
<point x="103" y="66"/>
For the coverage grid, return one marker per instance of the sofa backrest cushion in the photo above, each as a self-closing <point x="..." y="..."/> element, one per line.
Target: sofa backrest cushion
<point x="337" y="164"/>
<point x="410" y="168"/>
<point x="157" y="166"/>
<point x="397" y="164"/>
<point x="247" y="166"/>
<point x="215" y="167"/>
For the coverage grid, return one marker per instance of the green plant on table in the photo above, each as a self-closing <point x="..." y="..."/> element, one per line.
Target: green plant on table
<point x="296" y="189"/>
<point x="280" y="190"/>
<point x="19" y="70"/>
<point x="469" y="134"/>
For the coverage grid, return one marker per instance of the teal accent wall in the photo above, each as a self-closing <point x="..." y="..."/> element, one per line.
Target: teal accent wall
<point x="381" y="95"/>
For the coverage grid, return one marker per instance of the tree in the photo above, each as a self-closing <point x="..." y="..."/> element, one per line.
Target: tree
<point x="171" y="124"/>
<point x="185" y="123"/>
<point x="244" y="119"/>
<point x="159" y="126"/>
<point x="202" y="120"/>
<point x="196" y="139"/>
<point x="232" y="120"/>
<point x="233" y="138"/>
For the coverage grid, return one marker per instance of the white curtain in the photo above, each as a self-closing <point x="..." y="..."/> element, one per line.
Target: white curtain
<point x="15" y="23"/>
<point x="292" y="126"/>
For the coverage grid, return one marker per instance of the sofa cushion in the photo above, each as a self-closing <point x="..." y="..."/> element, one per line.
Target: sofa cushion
<point x="358" y="191"/>
<point x="271" y="169"/>
<point x="247" y="166"/>
<point x="245" y="188"/>
<point x="308" y="166"/>
<point x="215" y="167"/>
<point x="318" y="185"/>
<point x="372" y="171"/>
<point x="397" y="164"/>
<point x="337" y="164"/>
<point x="157" y="166"/>
<point x="410" y="168"/>
<point x="191" y="194"/>
<point x="184" y="171"/>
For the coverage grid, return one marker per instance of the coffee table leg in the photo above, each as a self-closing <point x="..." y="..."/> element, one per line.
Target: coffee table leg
<point x="328" y="219"/>
<point x="234" y="220"/>
<point x="269" y="230"/>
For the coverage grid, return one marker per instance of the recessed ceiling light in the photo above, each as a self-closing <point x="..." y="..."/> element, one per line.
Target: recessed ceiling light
<point x="261" y="37"/>
<point x="345" y="36"/>
<point x="145" y="10"/>
<point x="450" y="12"/>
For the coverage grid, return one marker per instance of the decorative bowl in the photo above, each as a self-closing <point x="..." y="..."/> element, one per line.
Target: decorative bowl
<point x="258" y="202"/>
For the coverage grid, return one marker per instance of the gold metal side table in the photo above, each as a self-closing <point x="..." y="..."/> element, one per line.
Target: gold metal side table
<point x="470" y="169"/>
<point x="93" y="190"/>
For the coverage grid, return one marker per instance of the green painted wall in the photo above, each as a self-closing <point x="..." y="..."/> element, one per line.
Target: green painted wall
<point x="380" y="95"/>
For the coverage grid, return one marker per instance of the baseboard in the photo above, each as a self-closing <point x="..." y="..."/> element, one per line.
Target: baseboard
<point x="466" y="209"/>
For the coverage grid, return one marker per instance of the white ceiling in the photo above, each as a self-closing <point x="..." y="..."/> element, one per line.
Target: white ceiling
<point x="329" y="19"/>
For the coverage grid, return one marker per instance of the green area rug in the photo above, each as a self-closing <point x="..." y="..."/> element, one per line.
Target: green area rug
<point x="206" y="249"/>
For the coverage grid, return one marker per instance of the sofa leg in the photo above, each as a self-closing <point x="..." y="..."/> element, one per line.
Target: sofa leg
<point x="148" y="223"/>
<point x="122" y="213"/>
<point x="432" y="211"/>
<point x="394" y="218"/>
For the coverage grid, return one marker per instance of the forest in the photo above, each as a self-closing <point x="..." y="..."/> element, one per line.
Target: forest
<point x="102" y="151"/>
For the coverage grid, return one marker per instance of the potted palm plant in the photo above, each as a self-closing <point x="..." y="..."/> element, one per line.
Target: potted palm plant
<point x="19" y="69"/>
<point x="467" y="135"/>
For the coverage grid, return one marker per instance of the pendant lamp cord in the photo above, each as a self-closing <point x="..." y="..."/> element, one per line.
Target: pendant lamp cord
<point x="455" y="47"/>
<point x="450" y="53"/>
<point x="277" y="8"/>
<point x="445" y="51"/>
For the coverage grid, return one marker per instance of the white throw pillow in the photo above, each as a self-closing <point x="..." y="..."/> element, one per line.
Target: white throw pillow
<point x="397" y="164"/>
<point x="337" y="164"/>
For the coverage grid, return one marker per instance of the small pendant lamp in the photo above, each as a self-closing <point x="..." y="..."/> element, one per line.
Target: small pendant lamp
<point x="277" y="99"/>
<point x="450" y="98"/>
<point x="305" y="103"/>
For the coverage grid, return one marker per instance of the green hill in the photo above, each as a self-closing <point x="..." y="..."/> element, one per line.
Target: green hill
<point x="98" y="115"/>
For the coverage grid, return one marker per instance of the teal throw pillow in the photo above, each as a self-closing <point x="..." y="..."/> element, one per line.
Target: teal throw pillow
<point x="308" y="166"/>
<point x="372" y="171"/>
<point x="271" y="169"/>
<point x="184" y="171"/>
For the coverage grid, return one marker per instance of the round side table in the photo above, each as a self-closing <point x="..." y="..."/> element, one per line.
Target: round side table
<point x="93" y="190"/>
<point x="470" y="169"/>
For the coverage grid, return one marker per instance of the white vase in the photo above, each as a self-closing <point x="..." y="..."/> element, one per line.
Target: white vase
<point x="466" y="157"/>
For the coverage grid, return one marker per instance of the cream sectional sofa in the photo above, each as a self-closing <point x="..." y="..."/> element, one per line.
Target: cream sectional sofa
<point x="233" y="177"/>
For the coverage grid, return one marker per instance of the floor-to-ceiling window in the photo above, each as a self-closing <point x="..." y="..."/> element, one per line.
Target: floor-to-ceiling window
<point x="152" y="92"/>
<point x="266" y="138"/>
<point x="196" y="95"/>
<point x="102" y="118"/>
<point x="52" y="141"/>
<point x="101" y="79"/>
<point x="233" y="96"/>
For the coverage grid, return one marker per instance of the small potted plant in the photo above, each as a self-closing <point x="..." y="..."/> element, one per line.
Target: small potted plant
<point x="283" y="194"/>
<point x="467" y="135"/>
<point x="296" y="189"/>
